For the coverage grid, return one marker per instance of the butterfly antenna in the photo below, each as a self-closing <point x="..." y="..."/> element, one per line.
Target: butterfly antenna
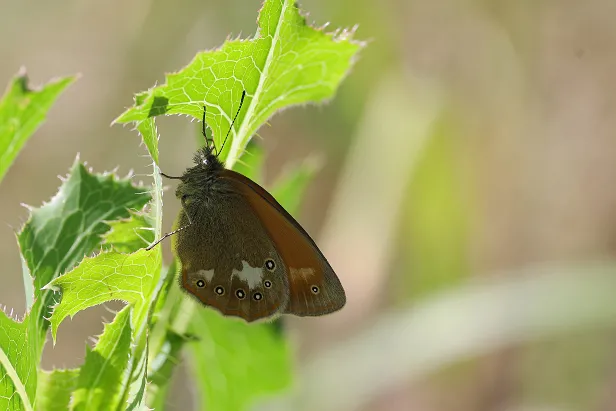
<point x="233" y="122"/>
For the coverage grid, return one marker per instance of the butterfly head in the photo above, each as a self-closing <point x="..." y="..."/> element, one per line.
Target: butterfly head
<point x="206" y="158"/>
<point x="197" y="180"/>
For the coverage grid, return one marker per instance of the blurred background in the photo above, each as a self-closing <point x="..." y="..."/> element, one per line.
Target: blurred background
<point x="473" y="141"/>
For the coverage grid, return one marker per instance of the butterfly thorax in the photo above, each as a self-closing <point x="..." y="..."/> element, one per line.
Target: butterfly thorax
<point x="199" y="181"/>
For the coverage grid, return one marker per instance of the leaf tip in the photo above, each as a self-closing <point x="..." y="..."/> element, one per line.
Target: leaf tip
<point x="51" y="286"/>
<point x="54" y="333"/>
<point x="118" y="120"/>
<point x="22" y="73"/>
<point x="27" y="207"/>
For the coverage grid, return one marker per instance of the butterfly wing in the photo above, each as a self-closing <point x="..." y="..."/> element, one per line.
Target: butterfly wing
<point x="229" y="263"/>
<point x="314" y="288"/>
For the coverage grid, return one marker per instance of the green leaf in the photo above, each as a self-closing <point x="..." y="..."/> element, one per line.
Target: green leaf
<point x="129" y="234"/>
<point x="69" y="226"/>
<point x="100" y="378"/>
<point x="134" y="278"/>
<point x="17" y="365"/>
<point x="106" y="277"/>
<point x="286" y="63"/>
<point x="55" y="389"/>
<point x="237" y="363"/>
<point x="22" y="111"/>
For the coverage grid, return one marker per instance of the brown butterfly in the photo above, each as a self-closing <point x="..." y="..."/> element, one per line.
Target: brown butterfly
<point x="242" y="253"/>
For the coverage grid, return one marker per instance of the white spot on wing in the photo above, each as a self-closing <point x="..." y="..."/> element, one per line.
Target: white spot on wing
<point x="205" y="274"/>
<point x="251" y="275"/>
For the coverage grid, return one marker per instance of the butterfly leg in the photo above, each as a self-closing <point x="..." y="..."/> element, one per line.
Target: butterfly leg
<point x="165" y="236"/>
<point x="170" y="234"/>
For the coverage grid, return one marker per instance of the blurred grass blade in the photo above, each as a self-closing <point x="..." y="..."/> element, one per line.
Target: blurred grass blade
<point x="22" y="111"/>
<point x="436" y="222"/>
<point x="289" y="189"/>
<point x="521" y="306"/>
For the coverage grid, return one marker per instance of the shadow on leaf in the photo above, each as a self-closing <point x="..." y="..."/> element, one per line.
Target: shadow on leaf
<point x="159" y="106"/>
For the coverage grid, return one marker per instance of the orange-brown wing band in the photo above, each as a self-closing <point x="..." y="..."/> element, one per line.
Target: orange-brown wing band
<point x="313" y="286"/>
